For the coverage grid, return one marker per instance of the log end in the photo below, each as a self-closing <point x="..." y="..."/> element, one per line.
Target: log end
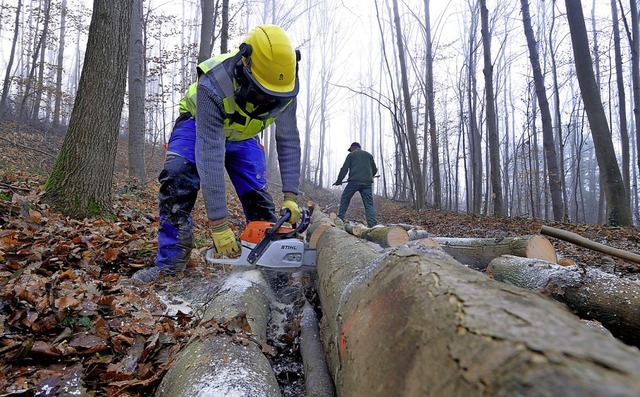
<point x="540" y="247"/>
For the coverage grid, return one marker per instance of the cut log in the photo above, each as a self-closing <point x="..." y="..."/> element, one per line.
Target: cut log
<point x="354" y="228"/>
<point x="385" y="236"/>
<point x="590" y="293"/>
<point x="422" y="324"/>
<point x="478" y="252"/>
<point x="318" y="382"/>
<point x="219" y="364"/>
<point x="585" y="242"/>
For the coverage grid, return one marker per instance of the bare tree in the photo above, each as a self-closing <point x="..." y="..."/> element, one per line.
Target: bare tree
<point x="414" y="156"/>
<point x="7" y="76"/>
<point x="618" y="210"/>
<point x="209" y="16"/>
<point x="492" y="127"/>
<point x="80" y="182"/>
<point x="622" y="102"/>
<point x="59" y="64"/>
<point x="433" y="133"/>
<point x="136" y="96"/>
<point x="547" y="128"/>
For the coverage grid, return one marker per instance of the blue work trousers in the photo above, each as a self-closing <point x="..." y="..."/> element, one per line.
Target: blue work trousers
<point x="179" y="184"/>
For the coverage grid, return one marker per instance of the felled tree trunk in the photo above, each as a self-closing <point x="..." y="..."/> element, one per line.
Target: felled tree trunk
<point x="592" y="294"/>
<point x="318" y="382"/>
<point x="225" y="358"/>
<point x="478" y="252"/>
<point x="422" y="324"/>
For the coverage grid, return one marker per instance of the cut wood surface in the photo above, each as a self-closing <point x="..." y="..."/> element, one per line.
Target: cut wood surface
<point x="478" y="252"/>
<point x="228" y="364"/>
<point x="592" y="294"/>
<point x="585" y="242"/>
<point x="422" y="324"/>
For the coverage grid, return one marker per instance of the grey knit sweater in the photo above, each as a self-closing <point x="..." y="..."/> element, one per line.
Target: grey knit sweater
<point x="210" y="149"/>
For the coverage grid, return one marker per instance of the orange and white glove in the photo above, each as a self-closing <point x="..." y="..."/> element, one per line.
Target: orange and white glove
<point x="290" y="204"/>
<point x="224" y="239"/>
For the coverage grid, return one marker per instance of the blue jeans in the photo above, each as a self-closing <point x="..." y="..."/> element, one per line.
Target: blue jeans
<point x="366" y="193"/>
<point x="179" y="184"/>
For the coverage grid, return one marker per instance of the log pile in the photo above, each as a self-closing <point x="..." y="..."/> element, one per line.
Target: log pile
<point x="590" y="293"/>
<point x="226" y="357"/>
<point x="417" y="322"/>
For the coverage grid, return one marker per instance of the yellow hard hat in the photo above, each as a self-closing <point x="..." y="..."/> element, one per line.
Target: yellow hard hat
<point x="272" y="61"/>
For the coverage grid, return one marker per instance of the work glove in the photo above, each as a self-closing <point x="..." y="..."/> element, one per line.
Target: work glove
<point x="224" y="239"/>
<point x="337" y="183"/>
<point x="290" y="204"/>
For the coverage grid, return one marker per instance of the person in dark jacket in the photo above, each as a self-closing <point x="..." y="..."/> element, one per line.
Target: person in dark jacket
<point x="361" y="168"/>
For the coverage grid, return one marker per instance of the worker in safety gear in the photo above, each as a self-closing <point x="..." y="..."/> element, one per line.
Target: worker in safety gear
<point x="238" y="95"/>
<point x="361" y="168"/>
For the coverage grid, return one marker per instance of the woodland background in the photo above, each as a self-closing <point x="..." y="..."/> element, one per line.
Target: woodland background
<point x="472" y="106"/>
<point x="90" y="92"/>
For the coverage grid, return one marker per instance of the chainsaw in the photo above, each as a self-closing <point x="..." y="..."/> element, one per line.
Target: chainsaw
<point x="271" y="245"/>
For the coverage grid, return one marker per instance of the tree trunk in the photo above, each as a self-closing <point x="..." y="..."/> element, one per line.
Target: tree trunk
<point x="477" y="253"/>
<point x="548" y="144"/>
<point x="227" y="359"/>
<point x="431" y="106"/>
<point x="415" y="171"/>
<point x="224" y="29"/>
<point x="618" y="209"/>
<point x="318" y="382"/>
<point x="80" y="182"/>
<point x="60" y="67"/>
<point x="39" y="83"/>
<point x="136" y="96"/>
<point x="622" y="101"/>
<point x="7" y="77"/>
<point x="422" y="324"/>
<point x="206" y="30"/>
<point x="492" y="126"/>
<point x="635" y="71"/>
<point x="590" y="293"/>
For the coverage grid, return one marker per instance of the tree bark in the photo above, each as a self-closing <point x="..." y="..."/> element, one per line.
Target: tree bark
<point x="80" y="182"/>
<point x="7" y="77"/>
<point x="318" y="382"/>
<point x="477" y="253"/>
<point x="206" y="30"/>
<point x="431" y="112"/>
<point x="618" y="208"/>
<point x="553" y="173"/>
<point x="411" y="324"/>
<point x="137" y="95"/>
<point x="492" y="126"/>
<point x="229" y="363"/>
<point x="590" y="293"/>
<point x="59" y="66"/>
<point x="414" y="171"/>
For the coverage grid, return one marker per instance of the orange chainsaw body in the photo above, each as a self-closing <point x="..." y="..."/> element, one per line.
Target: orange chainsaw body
<point x="255" y="231"/>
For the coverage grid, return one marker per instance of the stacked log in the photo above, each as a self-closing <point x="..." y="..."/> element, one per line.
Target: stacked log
<point x="590" y="293"/>
<point x="412" y="323"/>
<point x="477" y="253"/>
<point x="228" y="361"/>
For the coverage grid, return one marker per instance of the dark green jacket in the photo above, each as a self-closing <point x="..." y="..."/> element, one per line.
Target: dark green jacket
<point x="360" y="166"/>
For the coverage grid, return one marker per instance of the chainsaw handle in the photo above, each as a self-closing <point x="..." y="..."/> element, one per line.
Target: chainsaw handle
<point x="257" y="251"/>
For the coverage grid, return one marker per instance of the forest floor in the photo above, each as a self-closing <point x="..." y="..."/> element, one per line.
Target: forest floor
<point x="72" y="322"/>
